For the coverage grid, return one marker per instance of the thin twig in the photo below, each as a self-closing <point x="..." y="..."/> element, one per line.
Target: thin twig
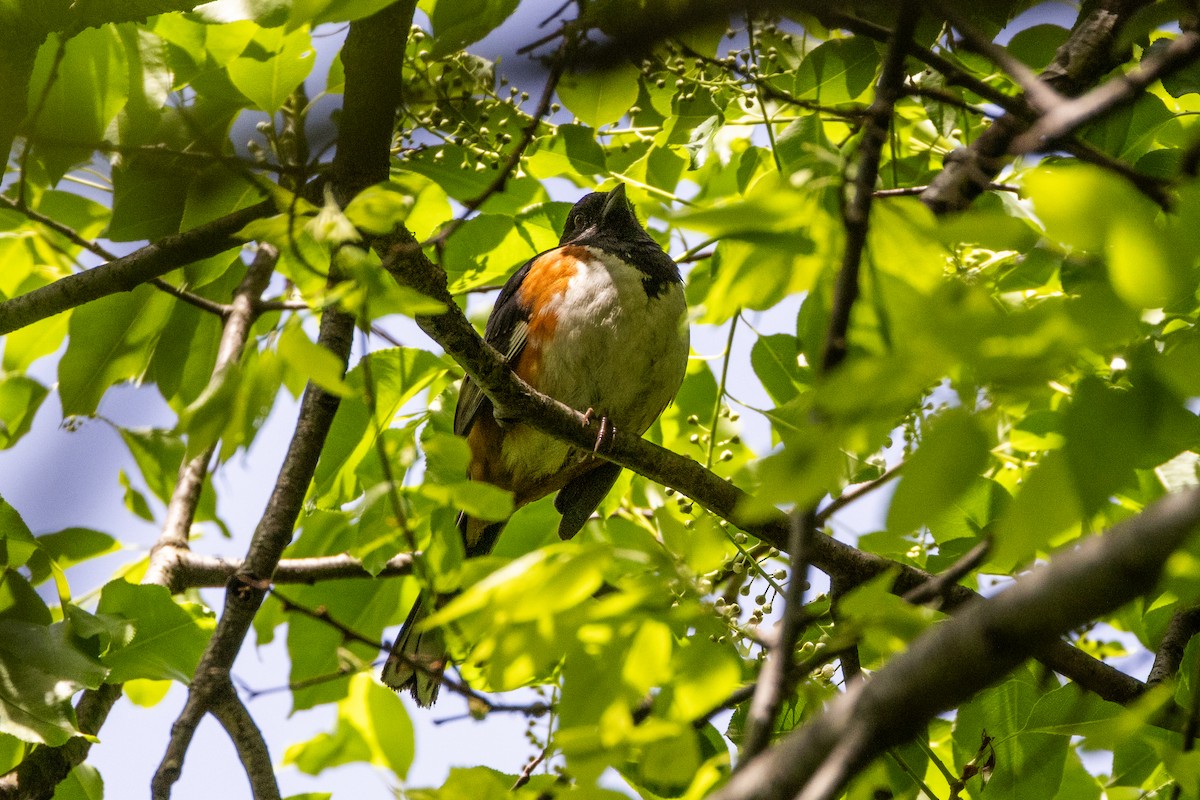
<point x="716" y="412"/>
<point x="478" y="700"/>
<point x="936" y="586"/>
<point x="774" y="680"/>
<point x="527" y="772"/>
<point x="1039" y="94"/>
<point x="846" y="498"/>
<point x="857" y="211"/>
<point x="911" y="191"/>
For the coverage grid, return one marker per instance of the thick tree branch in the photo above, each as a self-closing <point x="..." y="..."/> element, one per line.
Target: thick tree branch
<point x="775" y="679"/>
<point x="362" y="159"/>
<point x="192" y="570"/>
<point x="1063" y="119"/>
<point x="246" y="589"/>
<point x="967" y="653"/>
<point x="128" y="272"/>
<point x="248" y="740"/>
<point x="46" y="767"/>
<point x="1088" y="53"/>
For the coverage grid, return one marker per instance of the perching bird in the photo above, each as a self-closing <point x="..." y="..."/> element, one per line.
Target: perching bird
<point x="598" y="323"/>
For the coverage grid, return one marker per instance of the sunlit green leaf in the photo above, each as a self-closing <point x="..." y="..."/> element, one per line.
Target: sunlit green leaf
<point x="372" y="726"/>
<point x="272" y="65"/>
<point x="600" y="97"/>
<point x="168" y="636"/>
<point x="950" y="457"/>
<point x="41" y="669"/>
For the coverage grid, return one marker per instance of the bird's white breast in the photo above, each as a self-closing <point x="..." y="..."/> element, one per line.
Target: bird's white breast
<point x="615" y="350"/>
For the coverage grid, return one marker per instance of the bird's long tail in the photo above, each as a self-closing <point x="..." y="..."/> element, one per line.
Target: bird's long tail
<point x="417" y="660"/>
<point x="418" y="657"/>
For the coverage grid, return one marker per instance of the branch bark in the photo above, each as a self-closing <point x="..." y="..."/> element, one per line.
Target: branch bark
<point x="969" y="652"/>
<point x="247" y="588"/>
<point x="1065" y="118"/>
<point x="776" y="680"/>
<point x="1082" y="60"/>
<point x="127" y="273"/>
<point x="362" y="159"/>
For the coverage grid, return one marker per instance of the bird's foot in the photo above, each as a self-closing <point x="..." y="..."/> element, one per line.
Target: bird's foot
<point x="604" y="438"/>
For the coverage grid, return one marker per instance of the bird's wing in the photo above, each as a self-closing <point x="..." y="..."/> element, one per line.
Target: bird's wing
<point x="507" y="330"/>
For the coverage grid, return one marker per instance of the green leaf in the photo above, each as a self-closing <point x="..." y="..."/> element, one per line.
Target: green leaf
<point x="17" y="544"/>
<point x="316" y="12"/>
<point x="458" y="23"/>
<point x="552" y="579"/>
<point x="12" y="752"/>
<point x="397" y="375"/>
<point x="313" y="361"/>
<point x="1037" y="44"/>
<point x="149" y="194"/>
<point x="1078" y="204"/>
<point x="600" y="97"/>
<point x="23" y="347"/>
<point x="949" y="460"/>
<point x="158" y="454"/>
<point x="1046" y="507"/>
<point x="268" y="13"/>
<point x="1026" y="763"/>
<point x="372" y="726"/>
<point x="76" y="97"/>
<point x="20" y="398"/>
<point x="837" y="71"/>
<point x="82" y="783"/>
<point x="1142" y="265"/>
<point x="272" y="66"/>
<point x="134" y="500"/>
<point x="69" y="547"/>
<point x="20" y="601"/>
<point x="776" y="360"/>
<point x="572" y="149"/>
<point x="146" y="693"/>
<point x="40" y="670"/>
<point x="168" y="637"/>
<point x="109" y="340"/>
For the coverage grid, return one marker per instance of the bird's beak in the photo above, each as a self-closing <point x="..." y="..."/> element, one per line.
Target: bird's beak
<point x="615" y="203"/>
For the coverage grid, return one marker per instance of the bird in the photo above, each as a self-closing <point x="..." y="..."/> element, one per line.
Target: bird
<point x="600" y="324"/>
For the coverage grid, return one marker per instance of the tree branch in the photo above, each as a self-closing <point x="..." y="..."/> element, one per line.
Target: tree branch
<point x="967" y="653"/>
<point x="1184" y="625"/>
<point x="775" y="678"/>
<point x="246" y="589"/>
<point x="1065" y="118"/>
<point x="128" y="272"/>
<point x="248" y="740"/>
<point x="192" y="570"/>
<point x="362" y="159"/>
<point x="1083" y="59"/>
<point x="46" y="767"/>
<point x="181" y="509"/>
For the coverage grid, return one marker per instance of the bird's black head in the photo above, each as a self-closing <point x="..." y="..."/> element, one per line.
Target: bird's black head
<point x="606" y="221"/>
<point x="602" y="214"/>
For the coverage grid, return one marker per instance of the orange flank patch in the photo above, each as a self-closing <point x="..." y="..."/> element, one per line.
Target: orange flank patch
<point x="547" y="278"/>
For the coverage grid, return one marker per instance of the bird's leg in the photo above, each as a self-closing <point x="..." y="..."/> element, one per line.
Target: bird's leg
<point x="604" y="438"/>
